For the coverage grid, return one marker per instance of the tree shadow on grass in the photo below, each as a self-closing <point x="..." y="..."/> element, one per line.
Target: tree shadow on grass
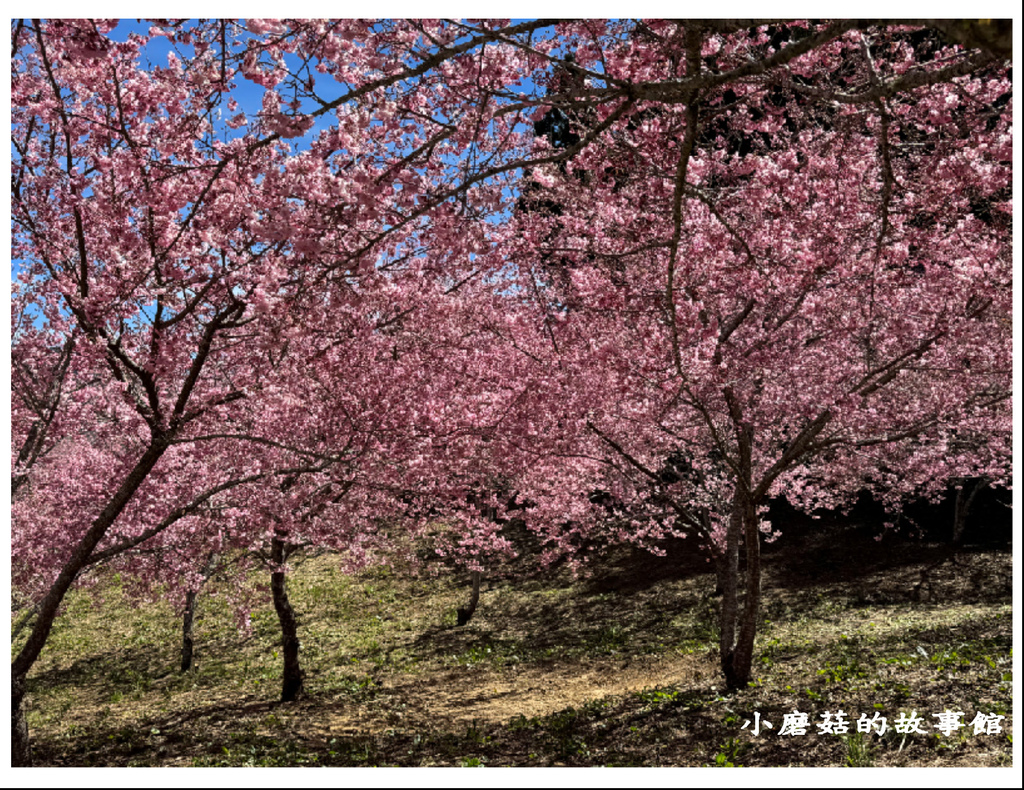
<point x="189" y="731"/>
<point x="123" y="667"/>
<point x="832" y="548"/>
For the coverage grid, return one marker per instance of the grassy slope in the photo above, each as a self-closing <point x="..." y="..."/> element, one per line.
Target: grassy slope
<point x="618" y="668"/>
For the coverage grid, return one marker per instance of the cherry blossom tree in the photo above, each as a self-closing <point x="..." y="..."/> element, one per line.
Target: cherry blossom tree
<point x="784" y="271"/>
<point x="396" y="448"/>
<point x="174" y="249"/>
<point x="773" y="259"/>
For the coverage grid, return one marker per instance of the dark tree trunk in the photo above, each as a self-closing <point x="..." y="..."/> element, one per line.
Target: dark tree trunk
<point x="48" y="607"/>
<point x="964" y="499"/>
<point x="738" y="675"/>
<point x="21" y="753"/>
<point x="739" y="628"/>
<point x="465" y="613"/>
<point x="962" y="507"/>
<point x="728" y="579"/>
<point x="187" y="643"/>
<point x="738" y="620"/>
<point x="186" y="630"/>
<point x="291" y="685"/>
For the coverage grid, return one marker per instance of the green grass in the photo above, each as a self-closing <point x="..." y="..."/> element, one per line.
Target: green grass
<point x="550" y="672"/>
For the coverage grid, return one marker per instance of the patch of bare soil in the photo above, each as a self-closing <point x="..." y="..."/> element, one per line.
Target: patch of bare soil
<point x="452" y="699"/>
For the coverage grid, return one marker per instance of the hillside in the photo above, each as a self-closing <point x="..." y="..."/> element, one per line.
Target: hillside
<point x="615" y="667"/>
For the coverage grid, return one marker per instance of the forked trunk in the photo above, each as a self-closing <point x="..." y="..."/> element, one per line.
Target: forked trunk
<point x="291" y="684"/>
<point x="465" y="613"/>
<point x="738" y="618"/>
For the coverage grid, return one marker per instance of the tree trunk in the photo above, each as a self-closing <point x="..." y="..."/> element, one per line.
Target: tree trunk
<point x="962" y="508"/>
<point x="739" y="629"/>
<point x="964" y="499"/>
<point x="728" y="579"/>
<point x="186" y="630"/>
<point x="291" y="685"/>
<point x="738" y="626"/>
<point x="465" y="613"/>
<point x="187" y="619"/>
<point x="48" y="607"/>
<point x="738" y="674"/>
<point x="21" y="753"/>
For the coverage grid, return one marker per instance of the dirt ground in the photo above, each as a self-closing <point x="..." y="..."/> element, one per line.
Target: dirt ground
<point x="481" y="696"/>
